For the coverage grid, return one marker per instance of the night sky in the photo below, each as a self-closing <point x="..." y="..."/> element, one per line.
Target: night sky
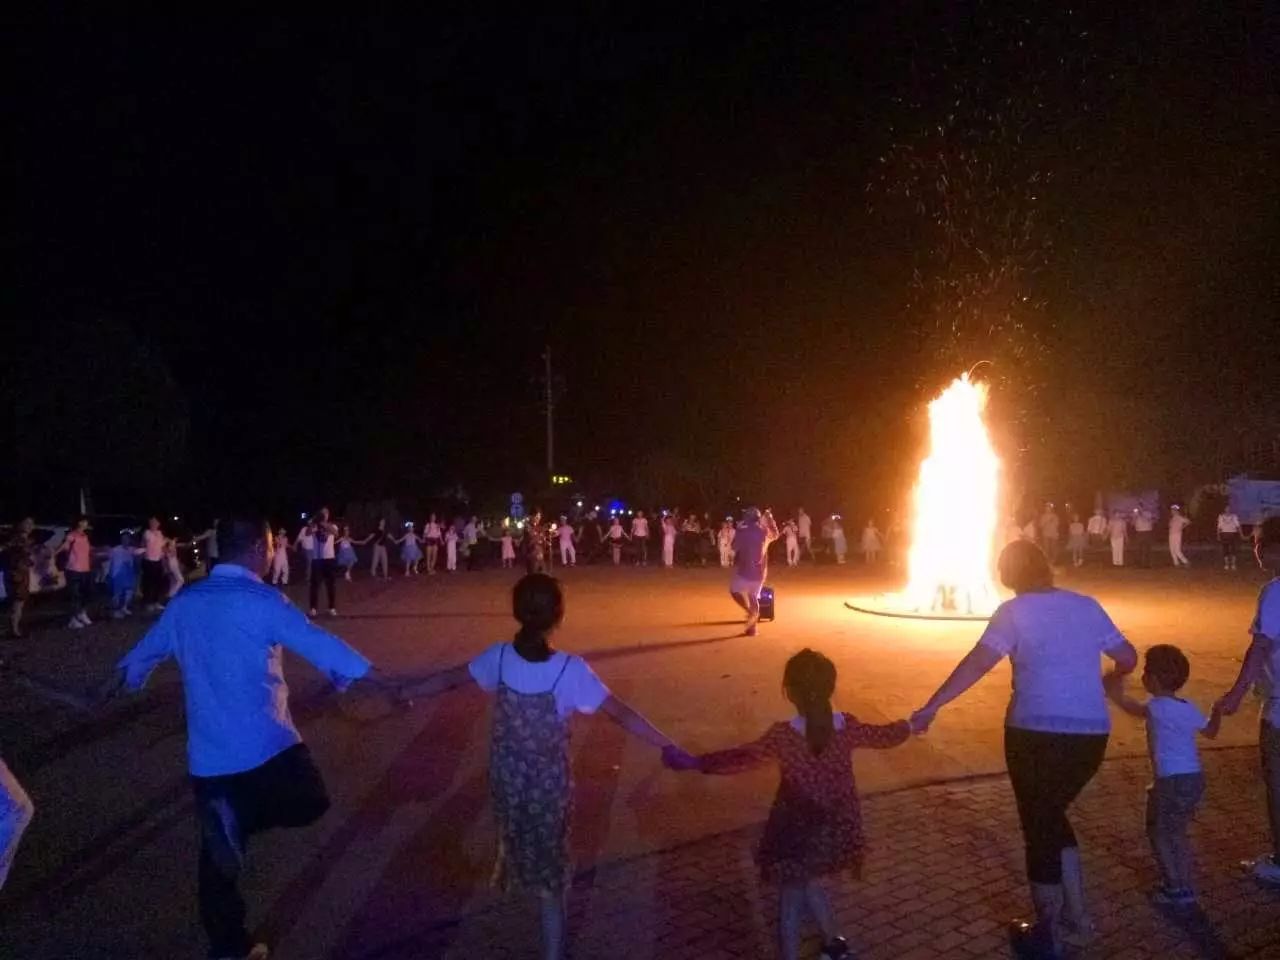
<point x="270" y="260"/>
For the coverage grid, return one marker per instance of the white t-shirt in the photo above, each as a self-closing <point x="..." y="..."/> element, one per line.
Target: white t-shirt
<point x="1097" y="525"/>
<point x="1054" y="639"/>
<point x="577" y="688"/>
<point x="1177" y="523"/>
<point x="640" y="527"/>
<point x="566" y="535"/>
<point x="1228" y="523"/>
<point x="153" y="544"/>
<point x="1119" y="527"/>
<point x="806" y="526"/>
<point x="1172" y="726"/>
<point x="1267" y="624"/>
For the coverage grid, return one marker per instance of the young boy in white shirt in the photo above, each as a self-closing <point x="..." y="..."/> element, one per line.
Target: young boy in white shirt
<point x="1173" y="725"/>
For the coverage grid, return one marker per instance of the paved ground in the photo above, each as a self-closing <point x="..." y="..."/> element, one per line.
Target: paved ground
<point x="107" y="869"/>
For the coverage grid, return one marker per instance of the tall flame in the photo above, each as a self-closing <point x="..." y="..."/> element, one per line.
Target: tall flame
<point x="954" y="524"/>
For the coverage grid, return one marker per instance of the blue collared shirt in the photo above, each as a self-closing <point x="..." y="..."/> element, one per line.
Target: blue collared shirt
<point x="226" y="632"/>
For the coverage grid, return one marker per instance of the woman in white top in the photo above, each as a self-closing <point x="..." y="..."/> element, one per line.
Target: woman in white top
<point x="431" y="536"/>
<point x="1056" y="727"/>
<point x="1229" y="536"/>
<point x="537" y="690"/>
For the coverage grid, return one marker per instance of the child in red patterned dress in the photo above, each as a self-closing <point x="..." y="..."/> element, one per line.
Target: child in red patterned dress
<point x="815" y="825"/>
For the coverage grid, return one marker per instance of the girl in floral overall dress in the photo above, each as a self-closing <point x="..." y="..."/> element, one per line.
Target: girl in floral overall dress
<point x="815" y="825"/>
<point x="532" y="787"/>
<point x="536" y="689"/>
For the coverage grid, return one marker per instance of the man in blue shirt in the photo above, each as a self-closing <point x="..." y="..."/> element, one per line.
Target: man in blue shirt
<point x="250" y="770"/>
<point x="751" y="562"/>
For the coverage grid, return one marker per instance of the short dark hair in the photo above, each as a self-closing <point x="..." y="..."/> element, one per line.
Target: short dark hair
<point x="238" y="535"/>
<point x="1024" y="567"/>
<point x="1169" y="665"/>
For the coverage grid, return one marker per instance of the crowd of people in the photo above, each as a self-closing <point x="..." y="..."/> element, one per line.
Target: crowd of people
<point x="1128" y="534"/>
<point x="250" y="769"/>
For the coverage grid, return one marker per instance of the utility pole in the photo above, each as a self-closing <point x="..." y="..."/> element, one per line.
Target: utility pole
<point x="551" y="404"/>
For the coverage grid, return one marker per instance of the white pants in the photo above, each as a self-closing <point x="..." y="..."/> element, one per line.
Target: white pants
<point x="451" y="556"/>
<point x="726" y="554"/>
<point x="1117" y="552"/>
<point x="793" y="552"/>
<point x="1175" y="551"/>
<point x="379" y="558"/>
<point x="668" y="552"/>
<point x="568" y="555"/>
<point x="280" y="568"/>
<point x="16" y="811"/>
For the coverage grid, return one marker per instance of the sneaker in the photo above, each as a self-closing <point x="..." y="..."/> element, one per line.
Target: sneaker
<point x="1164" y="897"/>
<point x="75" y="624"/>
<point x="84" y="618"/>
<point x="333" y="612"/>
<point x="1265" y="869"/>
<point x="1031" y="942"/>
<point x="312" y="613"/>
<point x="837" y="949"/>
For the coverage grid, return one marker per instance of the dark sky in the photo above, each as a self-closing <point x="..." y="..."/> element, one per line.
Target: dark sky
<point x="339" y="247"/>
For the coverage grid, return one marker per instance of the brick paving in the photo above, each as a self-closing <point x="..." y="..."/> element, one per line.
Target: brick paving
<point x="943" y="875"/>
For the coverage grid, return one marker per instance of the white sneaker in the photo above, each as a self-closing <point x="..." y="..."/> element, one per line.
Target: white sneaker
<point x="1265" y="869"/>
<point x="333" y="612"/>
<point x="75" y="624"/>
<point x="84" y="619"/>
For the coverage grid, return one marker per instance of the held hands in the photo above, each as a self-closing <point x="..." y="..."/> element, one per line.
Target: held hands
<point x="921" y="720"/>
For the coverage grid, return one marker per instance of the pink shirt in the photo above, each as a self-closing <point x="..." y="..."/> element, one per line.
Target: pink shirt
<point x="78" y="552"/>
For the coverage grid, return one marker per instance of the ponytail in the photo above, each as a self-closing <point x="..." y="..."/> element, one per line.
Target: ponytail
<point x="818" y="724"/>
<point x="810" y="680"/>
<point x="532" y="645"/>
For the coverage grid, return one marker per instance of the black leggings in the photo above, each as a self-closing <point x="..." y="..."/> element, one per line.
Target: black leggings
<point x="1048" y="771"/>
<point x="323" y="570"/>
<point x="152" y="581"/>
<point x="286" y="791"/>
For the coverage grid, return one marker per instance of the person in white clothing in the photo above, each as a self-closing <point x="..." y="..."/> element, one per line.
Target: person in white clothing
<point x="1172" y="727"/>
<point x="432" y="535"/>
<point x="724" y="541"/>
<point x="305" y="544"/>
<point x="173" y="569"/>
<point x="791" y="533"/>
<point x="838" y="541"/>
<point x="669" y="532"/>
<point x="870" y="543"/>
<point x="1261" y="668"/>
<point x="1097" y="527"/>
<point x="805" y="523"/>
<point x="640" y="537"/>
<point x="1229" y="537"/>
<point x="567" y="535"/>
<point x="1056" y="728"/>
<point x="451" y="548"/>
<point x="1119" y="530"/>
<point x="280" y="559"/>
<point x="1076" y="540"/>
<point x="1177" y="524"/>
